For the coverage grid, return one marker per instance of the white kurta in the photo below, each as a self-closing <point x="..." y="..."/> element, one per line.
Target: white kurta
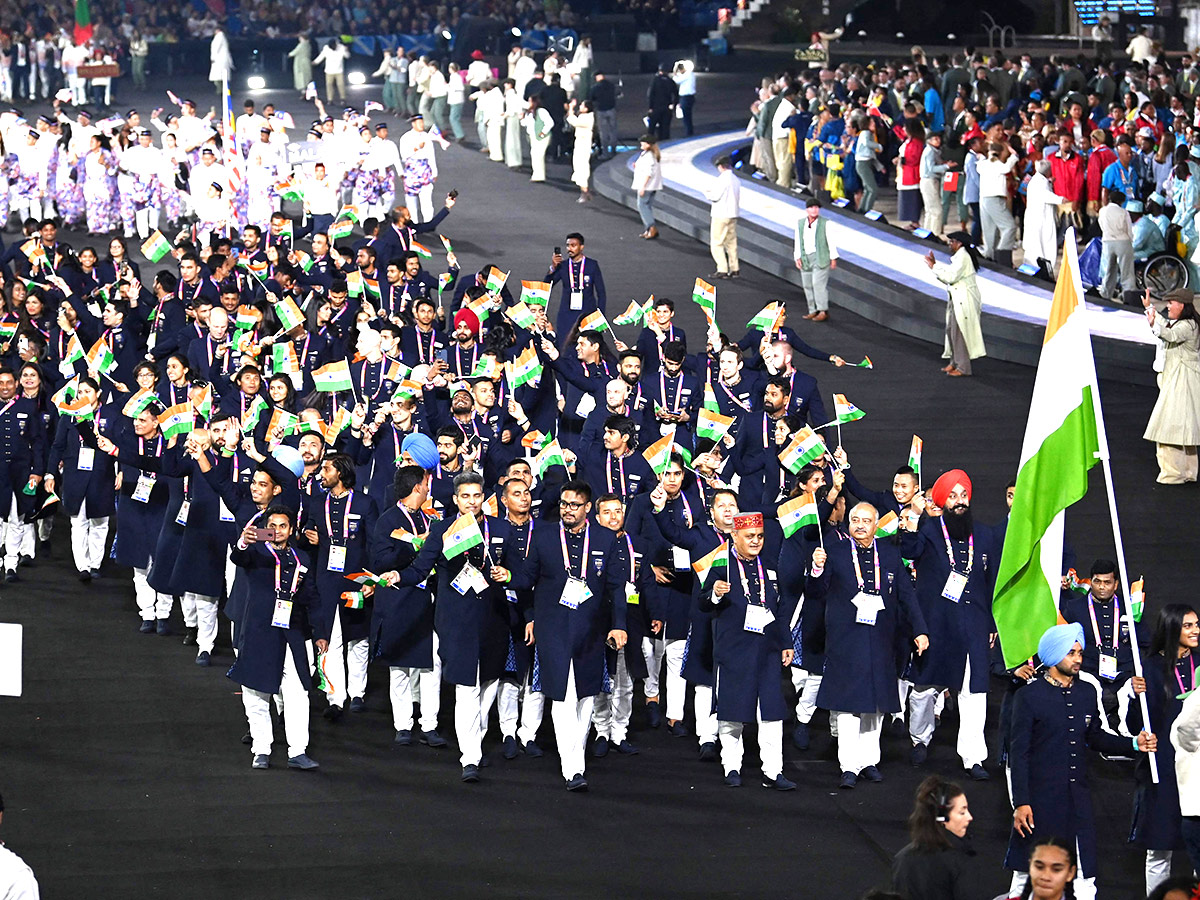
<point x="1040" y="238"/>
<point x="219" y="59"/>
<point x="966" y="303"/>
<point x="581" y="156"/>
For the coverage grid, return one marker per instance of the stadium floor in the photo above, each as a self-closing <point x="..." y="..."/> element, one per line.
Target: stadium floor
<point x="124" y="776"/>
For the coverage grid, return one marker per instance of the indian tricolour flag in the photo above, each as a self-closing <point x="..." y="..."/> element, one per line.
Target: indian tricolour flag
<point x="712" y="425"/>
<point x="461" y="536"/>
<point x="1062" y="441"/>
<point x="797" y="513"/>
<point x="495" y="281"/>
<point x="805" y="446"/>
<point x="138" y="402"/>
<point x="766" y="317"/>
<point x="658" y="454"/>
<point x="100" y="358"/>
<point x="888" y="525"/>
<point x="176" y="421"/>
<point x="550" y="455"/>
<point x="535" y="292"/>
<point x="156" y="247"/>
<point x="521" y="315"/>
<point x="288" y="313"/>
<point x="333" y="377"/>
<point x="421" y="250"/>
<point x="593" y="321"/>
<point x="718" y="559"/>
<point x="845" y="410"/>
<point x="633" y="314"/>
<point x="914" y="456"/>
<point x="705" y="296"/>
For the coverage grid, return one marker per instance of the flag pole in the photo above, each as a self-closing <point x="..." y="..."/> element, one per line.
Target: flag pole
<point x="1103" y="454"/>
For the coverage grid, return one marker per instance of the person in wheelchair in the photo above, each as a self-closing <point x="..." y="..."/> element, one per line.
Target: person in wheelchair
<point x="1147" y="238"/>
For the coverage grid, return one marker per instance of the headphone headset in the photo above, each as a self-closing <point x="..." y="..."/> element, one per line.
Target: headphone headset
<point x="941" y="802"/>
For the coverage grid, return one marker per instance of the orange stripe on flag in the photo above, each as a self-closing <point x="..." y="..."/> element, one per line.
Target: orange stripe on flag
<point x="1065" y="302"/>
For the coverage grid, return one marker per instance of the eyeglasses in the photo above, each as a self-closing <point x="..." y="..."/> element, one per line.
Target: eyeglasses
<point x="571" y="504"/>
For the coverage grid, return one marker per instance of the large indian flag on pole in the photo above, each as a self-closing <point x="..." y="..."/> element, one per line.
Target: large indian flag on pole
<point x="1061" y="444"/>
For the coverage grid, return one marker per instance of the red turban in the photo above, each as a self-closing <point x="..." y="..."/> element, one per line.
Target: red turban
<point x="942" y="487"/>
<point x="469" y="318"/>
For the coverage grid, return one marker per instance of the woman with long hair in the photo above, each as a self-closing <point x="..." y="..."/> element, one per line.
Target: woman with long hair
<point x="116" y="261"/>
<point x="1170" y="672"/>
<point x="100" y="195"/>
<point x="964" y="311"/>
<point x="933" y="866"/>
<point x="647" y="181"/>
<point x="583" y="122"/>
<point x="179" y="376"/>
<point x="1174" y="424"/>
<point x="64" y="179"/>
<point x="908" y="173"/>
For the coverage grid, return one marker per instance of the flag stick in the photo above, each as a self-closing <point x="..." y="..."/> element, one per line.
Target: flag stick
<point x="1104" y="456"/>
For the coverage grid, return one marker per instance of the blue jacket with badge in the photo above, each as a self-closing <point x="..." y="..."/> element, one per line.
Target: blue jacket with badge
<point x="353" y="527"/>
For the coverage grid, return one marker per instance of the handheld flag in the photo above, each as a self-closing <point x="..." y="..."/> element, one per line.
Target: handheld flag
<point x="138" y="403"/>
<point x="421" y="250"/>
<point x="495" y="281"/>
<point x="551" y="454"/>
<point x="288" y="313"/>
<point x="718" y="559"/>
<point x="658" y="454"/>
<point x="334" y="376"/>
<point x="461" y="537"/>
<point x="712" y="425"/>
<point x="521" y="315"/>
<point x="705" y="296"/>
<point x="1137" y="599"/>
<point x="797" y="513"/>
<point x="156" y="247"/>
<point x="888" y="525"/>
<point x="914" y="456"/>
<point x="766" y="317"/>
<point x="100" y="358"/>
<point x="176" y="420"/>
<point x="251" y="416"/>
<point x="633" y="315"/>
<point x="805" y="446"/>
<point x="526" y="368"/>
<point x="593" y="321"/>
<point x="535" y="292"/>
<point x="865" y="364"/>
<point x="845" y="410"/>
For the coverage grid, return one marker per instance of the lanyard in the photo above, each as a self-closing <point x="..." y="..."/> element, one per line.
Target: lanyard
<point x="858" y="568"/>
<point x="411" y="522"/>
<point x="662" y="389"/>
<point x="1183" y="689"/>
<point x="422" y="353"/>
<point x="345" y="519"/>
<point x="528" y="532"/>
<point x="187" y="488"/>
<point x="141" y="443"/>
<point x="571" y="274"/>
<point x="466" y="373"/>
<point x="762" y="582"/>
<point x="620" y="461"/>
<point x="1096" y="625"/>
<point x="950" y="549"/>
<point x="587" y="537"/>
<point x="279" y="571"/>
<point x="8" y="406"/>
<point x="687" y="509"/>
<point x="729" y="394"/>
<point x="396" y="441"/>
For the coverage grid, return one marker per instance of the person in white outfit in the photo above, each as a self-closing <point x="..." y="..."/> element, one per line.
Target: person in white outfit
<point x="1040" y="238"/>
<point x="220" y="61"/>
<point x="333" y="55"/>
<point x="16" y="878"/>
<point x="583" y="121"/>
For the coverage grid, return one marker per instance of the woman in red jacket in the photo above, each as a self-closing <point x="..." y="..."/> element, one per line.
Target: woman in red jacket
<point x="908" y="174"/>
<point x="1101" y="158"/>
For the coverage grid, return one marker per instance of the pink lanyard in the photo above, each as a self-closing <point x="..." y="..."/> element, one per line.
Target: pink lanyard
<point x="587" y="537"/>
<point x="662" y="388"/>
<point x="1183" y="689"/>
<point x="528" y="533"/>
<point x="1096" y="625"/>
<point x="858" y="568"/>
<point x="279" y="571"/>
<point x="424" y="355"/>
<point x="950" y="549"/>
<point x="620" y="461"/>
<point x="458" y="357"/>
<point x="571" y="274"/>
<point x="411" y="523"/>
<point x="762" y="582"/>
<point x="345" y="519"/>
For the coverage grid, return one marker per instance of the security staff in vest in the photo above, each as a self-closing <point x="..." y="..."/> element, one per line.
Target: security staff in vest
<point x="815" y="255"/>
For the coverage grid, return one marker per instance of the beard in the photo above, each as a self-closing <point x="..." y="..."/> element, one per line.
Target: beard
<point x="958" y="522"/>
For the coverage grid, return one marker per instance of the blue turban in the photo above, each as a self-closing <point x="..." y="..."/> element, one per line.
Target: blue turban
<point x="422" y="450"/>
<point x="1057" y="642"/>
<point x="289" y="458"/>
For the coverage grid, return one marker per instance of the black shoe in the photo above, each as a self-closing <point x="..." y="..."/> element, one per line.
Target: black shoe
<point x="849" y="780"/>
<point x="470" y="774"/>
<point x="628" y="749"/>
<point x="203" y="659"/>
<point x="147" y="627"/>
<point x="10" y="576"/>
<point x="403" y="738"/>
<point x="677" y="730"/>
<point x="163" y="628"/>
<point x="800" y="736"/>
<point x="95" y="573"/>
<point x="735" y="274"/>
<point x="261" y="761"/>
<point x="600" y="748"/>
<point x="532" y="750"/>
<point x="333" y="713"/>
<point x="708" y="752"/>
<point x="433" y="739"/>
<point x="715" y="275"/>
<point x="778" y="783"/>
<point x="871" y="773"/>
<point x="303" y="762"/>
<point x="484" y="762"/>
<point x="26" y="561"/>
<point x="189" y="636"/>
<point x="357" y="704"/>
<point x="510" y="747"/>
<point x="577" y="784"/>
<point x="653" y="715"/>
<point x="733" y="779"/>
<point x="247" y="739"/>
<point x="920" y="752"/>
<point x="898" y="728"/>
<point x="978" y="773"/>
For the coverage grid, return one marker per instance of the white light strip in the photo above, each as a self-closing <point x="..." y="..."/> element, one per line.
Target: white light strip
<point x="686" y="169"/>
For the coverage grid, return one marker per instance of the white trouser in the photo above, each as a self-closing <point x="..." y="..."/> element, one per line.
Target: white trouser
<point x="1085" y="888"/>
<point x="531" y="705"/>
<point x="420" y="204"/>
<point x="972" y="714"/>
<point x="348" y="661"/>
<point x="14" y="534"/>
<point x="770" y="746"/>
<point x="572" y="717"/>
<point x="146" y="221"/>
<point x="611" y="712"/>
<point x="807" y="685"/>
<point x="295" y="722"/>
<point x="903" y="687"/>
<point x="151" y="604"/>
<point x="472" y="704"/>
<point x="402" y="680"/>
<point x="858" y="740"/>
<point x="230" y="574"/>
<point x="652" y="650"/>
<point x="29" y="537"/>
<point x="676" y="685"/>
<point x="1158" y="868"/>
<point x="88" y="537"/>
<point x="706" y="718"/>
<point x="495" y="140"/>
<point x="44" y="528"/>
<point x="200" y="612"/>
<point x="427" y="690"/>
